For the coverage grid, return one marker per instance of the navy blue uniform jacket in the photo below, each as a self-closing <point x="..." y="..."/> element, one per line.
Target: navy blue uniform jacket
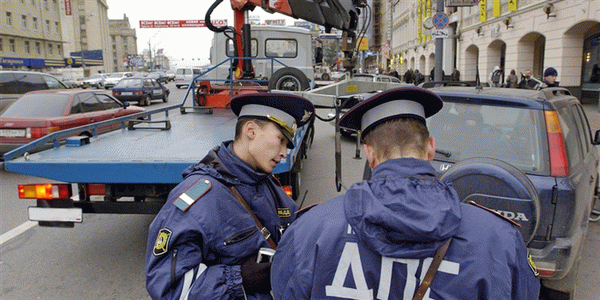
<point x="378" y="240"/>
<point x="197" y="254"/>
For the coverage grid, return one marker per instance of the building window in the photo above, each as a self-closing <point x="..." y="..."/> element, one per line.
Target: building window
<point x="56" y="27"/>
<point x="50" y="49"/>
<point x="58" y="50"/>
<point x="33" y="2"/>
<point x="48" y="25"/>
<point x="24" y="21"/>
<point x="8" y="19"/>
<point x="11" y="46"/>
<point x="38" y="49"/>
<point x="1" y="46"/>
<point x="27" y="47"/>
<point x="46" y="4"/>
<point x="34" y="21"/>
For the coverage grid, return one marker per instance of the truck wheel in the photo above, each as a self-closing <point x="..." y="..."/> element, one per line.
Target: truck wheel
<point x="288" y="79"/>
<point x="325" y="77"/>
<point x="500" y="186"/>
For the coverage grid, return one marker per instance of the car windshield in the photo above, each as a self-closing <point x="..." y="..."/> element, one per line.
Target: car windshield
<point x="95" y="76"/>
<point x="37" y="106"/>
<point x="514" y="135"/>
<point x="130" y="83"/>
<point x="115" y="75"/>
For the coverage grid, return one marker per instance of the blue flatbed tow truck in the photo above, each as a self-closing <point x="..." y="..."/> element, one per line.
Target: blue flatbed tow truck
<point x="131" y="170"/>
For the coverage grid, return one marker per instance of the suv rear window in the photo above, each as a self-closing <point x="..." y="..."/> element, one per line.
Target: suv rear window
<point x="515" y="135"/>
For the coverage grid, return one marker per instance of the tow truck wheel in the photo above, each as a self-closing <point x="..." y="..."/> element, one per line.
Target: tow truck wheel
<point x="288" y="79"/>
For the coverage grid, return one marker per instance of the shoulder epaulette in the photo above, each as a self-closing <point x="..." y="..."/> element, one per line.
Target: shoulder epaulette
<point x="494" y="212"/>
<point x="192" y="194"/>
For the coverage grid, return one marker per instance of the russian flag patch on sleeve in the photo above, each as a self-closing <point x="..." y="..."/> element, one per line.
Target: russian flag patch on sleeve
<point x="192" y="194"/>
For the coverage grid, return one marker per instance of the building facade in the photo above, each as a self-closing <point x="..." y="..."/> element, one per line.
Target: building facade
<point x="47" y="35"/>
<point x="30" y="34"/>
<point x="123" y="42"/>
<point x="520" y="35"/>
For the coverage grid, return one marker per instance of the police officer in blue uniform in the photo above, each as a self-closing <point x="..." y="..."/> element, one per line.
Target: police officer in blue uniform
<point x="203" y="244"/>
<point x="378" y="240"/>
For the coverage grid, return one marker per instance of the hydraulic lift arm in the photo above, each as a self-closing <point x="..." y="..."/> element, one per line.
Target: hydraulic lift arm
<point x="339" y="14"/>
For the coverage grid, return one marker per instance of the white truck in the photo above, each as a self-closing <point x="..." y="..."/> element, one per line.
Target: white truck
<point x="283" y="54"/>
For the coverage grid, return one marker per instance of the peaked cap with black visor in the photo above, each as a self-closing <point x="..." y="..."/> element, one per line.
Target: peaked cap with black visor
<point x="405" y="102"/>
<point x="286" y="111"/>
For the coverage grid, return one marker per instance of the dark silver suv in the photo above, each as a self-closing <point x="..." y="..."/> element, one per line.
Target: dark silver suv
<point x="530" y="156"/>
<point x="13" y="84"/>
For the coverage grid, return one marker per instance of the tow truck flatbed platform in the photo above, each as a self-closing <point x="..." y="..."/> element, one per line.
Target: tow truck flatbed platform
<point x="152" y="154"/>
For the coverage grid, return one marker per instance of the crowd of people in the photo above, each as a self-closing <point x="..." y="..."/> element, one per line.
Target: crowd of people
<point x="496" y="77"/>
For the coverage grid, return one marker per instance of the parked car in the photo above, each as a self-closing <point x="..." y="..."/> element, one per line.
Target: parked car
<point x="183" y="76"/>
<point x="530" y="156"/>
<point x="13" y="84"/>
<point x="322" y="73"/>
<point x="159" y="76"/>
<point x="171" y="75"/>
<point x="68" y="82"/>
<point x="39" y="113"/>
<point x="113" y="78"/>
<point x="375" y="78"/>
<point x="142" y="90"/>
<point x="96" y="80"/>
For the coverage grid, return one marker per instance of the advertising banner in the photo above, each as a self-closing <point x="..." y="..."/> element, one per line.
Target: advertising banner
<point x="179" y="23"/>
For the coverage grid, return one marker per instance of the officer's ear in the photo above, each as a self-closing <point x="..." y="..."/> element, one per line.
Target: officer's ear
<point x="371" y="156"/>
<point x="250" y="129"/>
<point x="430" y="148"/>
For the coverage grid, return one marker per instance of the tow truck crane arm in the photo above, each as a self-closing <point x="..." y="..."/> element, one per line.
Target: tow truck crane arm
<point x="339" y="14"/>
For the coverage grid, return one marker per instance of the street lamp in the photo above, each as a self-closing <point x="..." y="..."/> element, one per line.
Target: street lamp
<point x="150" y="49"/>
<point x="85" y="19"/>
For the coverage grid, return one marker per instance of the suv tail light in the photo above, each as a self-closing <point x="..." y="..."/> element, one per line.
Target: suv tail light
<point x="48" y="191"/>
<point x="556" y="146"/>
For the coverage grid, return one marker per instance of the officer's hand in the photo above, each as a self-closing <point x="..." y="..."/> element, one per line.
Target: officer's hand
<point x="256" y="278"/>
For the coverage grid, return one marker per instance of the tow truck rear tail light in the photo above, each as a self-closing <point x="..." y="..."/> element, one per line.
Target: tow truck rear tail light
<point x="47" y="191"/>
<point x="546" y="269"/>
<point x="288" y="190"/>
<point x="556" y="145"/>
<point x="95" y="189"/>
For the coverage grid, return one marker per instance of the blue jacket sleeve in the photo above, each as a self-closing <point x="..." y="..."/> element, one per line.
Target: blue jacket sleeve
<point x="180" y="272"/>
<point x="525" y="280"/>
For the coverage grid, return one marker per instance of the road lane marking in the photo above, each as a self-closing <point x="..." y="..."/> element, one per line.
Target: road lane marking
<point x="16" y="231"/>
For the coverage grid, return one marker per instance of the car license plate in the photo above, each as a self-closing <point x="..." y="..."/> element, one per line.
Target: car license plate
<point x="12" y="133"/>
<point x="55" y="214"/>
<point x="126" y="93"/>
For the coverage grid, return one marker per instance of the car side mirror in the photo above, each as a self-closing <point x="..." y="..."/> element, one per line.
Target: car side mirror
<point x="126" y="104"/>
<point x="596" y="141"/>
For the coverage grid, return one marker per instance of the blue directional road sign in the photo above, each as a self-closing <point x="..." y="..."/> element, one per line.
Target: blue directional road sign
<point x="440" y="20"/>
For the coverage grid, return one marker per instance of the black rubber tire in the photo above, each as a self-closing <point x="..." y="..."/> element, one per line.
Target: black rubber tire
<point x="288" y="79"/>
<point x="146" y="101"/>
<point x="499" y="186"/>
<point x="166" y="97"/>
<point x="325" y="77"/>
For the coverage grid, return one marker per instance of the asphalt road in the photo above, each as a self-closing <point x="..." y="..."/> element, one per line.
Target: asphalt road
<point x="103" y="257"/>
